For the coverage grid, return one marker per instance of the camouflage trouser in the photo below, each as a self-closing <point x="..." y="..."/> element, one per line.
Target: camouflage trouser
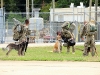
<point x="89" y="42"/>
<point x="68" y="47"/>
<point x="26" y="41"/>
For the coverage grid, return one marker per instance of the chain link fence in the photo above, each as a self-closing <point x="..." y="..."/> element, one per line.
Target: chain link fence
<point x="41" y="33"/>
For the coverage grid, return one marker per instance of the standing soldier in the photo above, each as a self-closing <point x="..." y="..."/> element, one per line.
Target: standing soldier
<point x="25" y="31"/>
<point x="21" y="34"/>
<point x="89" y="30"/>
<point x="25" y="35"/>
<point x="67" y="36"/>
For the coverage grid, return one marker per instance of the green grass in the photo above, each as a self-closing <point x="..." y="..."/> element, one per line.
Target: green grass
<point x="46" y="54"/>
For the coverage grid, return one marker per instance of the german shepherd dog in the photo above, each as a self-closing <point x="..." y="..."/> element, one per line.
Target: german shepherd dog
<point x="55" y="49"/>
<point x="58" y="46"/>
<point x="18" y="47"/>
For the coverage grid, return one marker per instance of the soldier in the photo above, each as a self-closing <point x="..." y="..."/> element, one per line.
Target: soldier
<point x="21" y="34"/>
<point x="70" y="26"/>
<point x="89" y="30"/>
<point x="67" y="35"/>
<point x="25" y="34"/>
<point x="25" y="31"/>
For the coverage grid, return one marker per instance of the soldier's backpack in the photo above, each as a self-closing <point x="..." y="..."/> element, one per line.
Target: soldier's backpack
<point x="69" y="26"/>
<point x="91" y="29"/>
<point x="17" y="31"/>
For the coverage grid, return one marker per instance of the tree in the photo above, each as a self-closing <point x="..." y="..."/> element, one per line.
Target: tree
<point x="20" y="5"/>
<point x="11" y="5"/>
<point x="62" y="4"/>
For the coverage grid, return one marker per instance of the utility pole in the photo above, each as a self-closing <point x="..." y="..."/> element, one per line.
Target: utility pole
<point x="96" y="6"/>
<point x="32" y="8"/>
<point x="53" y="1"/>
<point x="1" y="3"/>
<point x="90" y="3"/>
<point x="27" y="9"/>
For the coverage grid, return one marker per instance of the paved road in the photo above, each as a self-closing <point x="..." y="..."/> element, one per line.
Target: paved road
<point x="49" y="68"/>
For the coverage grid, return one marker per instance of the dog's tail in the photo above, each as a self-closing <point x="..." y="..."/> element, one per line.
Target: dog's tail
<point x="4" y="49"/>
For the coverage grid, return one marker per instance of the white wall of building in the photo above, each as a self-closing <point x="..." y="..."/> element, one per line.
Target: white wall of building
<point x="78" y="13"/>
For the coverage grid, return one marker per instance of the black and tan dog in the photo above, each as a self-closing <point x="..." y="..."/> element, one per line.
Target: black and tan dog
<point x="18" y="47"/>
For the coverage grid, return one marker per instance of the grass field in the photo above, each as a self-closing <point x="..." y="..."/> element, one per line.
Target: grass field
<point x="46" y="54"/>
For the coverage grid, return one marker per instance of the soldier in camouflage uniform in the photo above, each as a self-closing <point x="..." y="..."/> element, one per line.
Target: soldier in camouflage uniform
<point x="67" y="34"/>
<point x="22" y="34"/>
<point x="25" y="31"/>
<point x="89" y="38"/>
<point x="25" y="35"/>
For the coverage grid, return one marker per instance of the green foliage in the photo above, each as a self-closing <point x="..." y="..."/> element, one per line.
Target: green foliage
<point x="11" y="5"/>
<point x="45" y="9"/>
<point x="62" y="4"/>
<point x="17" y="16"/>
<point x="46" y="54"/>
<point x="45" y="16"/>
<point x="20" y="5"/>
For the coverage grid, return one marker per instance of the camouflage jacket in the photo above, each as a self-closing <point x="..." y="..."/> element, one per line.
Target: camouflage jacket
<point x="85" y="31"/>
<point x="69" y="26"/>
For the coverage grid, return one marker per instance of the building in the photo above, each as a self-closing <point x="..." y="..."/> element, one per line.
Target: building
<point x="79" y="13"/>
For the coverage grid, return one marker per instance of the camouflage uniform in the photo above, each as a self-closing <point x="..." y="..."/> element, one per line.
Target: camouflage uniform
<point x="22" y="34"/>
<point x="89" y="40"/>
<point x="69" y="26"/>
<point x="25" y="34"/>
<point x="67" y="32"/>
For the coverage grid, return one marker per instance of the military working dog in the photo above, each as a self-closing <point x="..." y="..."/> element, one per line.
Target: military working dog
<point x="58" y="43"/>
<point x="18" y="47"/>
<point x="55" y="49"/>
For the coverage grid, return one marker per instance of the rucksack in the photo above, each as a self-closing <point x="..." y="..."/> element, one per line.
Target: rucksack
<point x="91" y="29"/>
<point x="17" y="32"/>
